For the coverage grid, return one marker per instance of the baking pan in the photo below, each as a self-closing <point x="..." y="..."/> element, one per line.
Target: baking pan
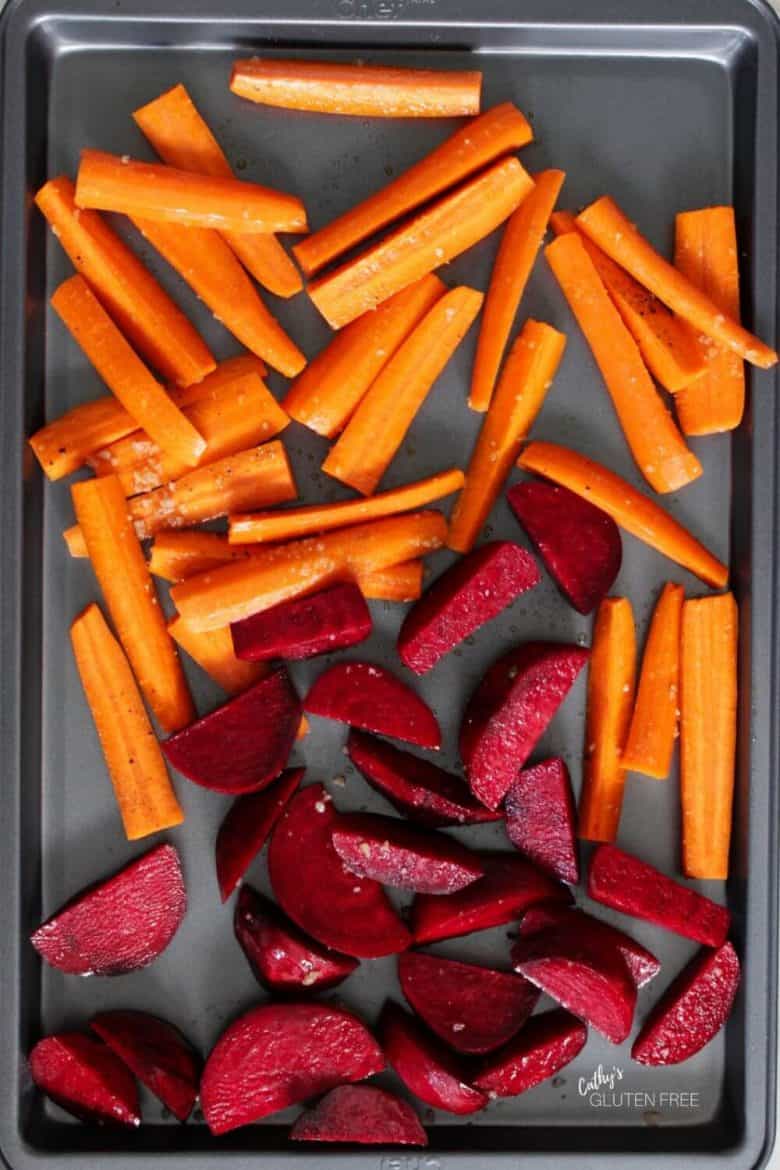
<point x="666" y="107"/>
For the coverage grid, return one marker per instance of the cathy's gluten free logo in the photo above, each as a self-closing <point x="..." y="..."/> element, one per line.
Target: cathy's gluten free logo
<point x="370" y="9"/>
<point x="606" y="1088"/>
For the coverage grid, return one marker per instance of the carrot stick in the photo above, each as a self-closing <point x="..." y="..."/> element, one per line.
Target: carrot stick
<point x="396" y="583"/>
<point x="74" y="539"/>
<point x="369" y="91"/>
<point x="522" y="388"/>
<point x="324" y="397"/>
<point x="152" y="191"/>
<point x="376" y="430"/>
<point x="147" y="316"/>
<point x="480" y="142"/>
<point x="431" y="238"/>
<point x="658" y="447"/>
<point x="142" y="786"/>
<point x="608" y="227"/>
<point x="650" y="743"/>
<point x="517" y="252"/>
<point x="130" y="595"/>
<point x="705" y="251"/>
<point x="213" y="652"/>
<point x="634" y="512"/>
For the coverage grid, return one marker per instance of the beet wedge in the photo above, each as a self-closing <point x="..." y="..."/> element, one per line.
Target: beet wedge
<point x="510" y="711"/>
<point x="360" y="1115"/>
<point x="247" y="826"/>
<point x="642" y="964"/>
<point x="120" y="924"/>
<point x="305" y="626"/>
<point x="313" y="886"/>
<point x="243" y="745"/>
<point x="425" y="1065"/>
<point x="370" y="697"/>
<point x="541" y="819"/>
<point x="579" y="544"/>
<point x="156" y="1053"/>
<point x="547" y="1043"/>
<point x="279" y="1055"/>
<point x="400" y="855"/>
<point x="85" y="1078"/>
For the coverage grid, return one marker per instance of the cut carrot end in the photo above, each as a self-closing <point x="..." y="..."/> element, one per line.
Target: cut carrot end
<point x="213" y="652"/>
<point x="400" y="583"/>
<point x="650" y="744"/>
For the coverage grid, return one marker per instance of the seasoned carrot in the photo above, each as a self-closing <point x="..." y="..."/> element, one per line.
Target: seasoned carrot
<point x="175" y="556"/>
<point x="142" y="786"/>
<point x="123" y="576"/>
<point x="495" y="133"/>
<point x="522" y="388"/>
<point x="634" y="512"/>
<point x="608" y="227"/>
<point x="659" y="449"/>
<point x="431" y="238"/>
<point x="213" y="652"/>
<point x="395" y="583"/>
<point x="517" y="252"/>
<point x="708" y="733"/>
<point x="650" y="743"/>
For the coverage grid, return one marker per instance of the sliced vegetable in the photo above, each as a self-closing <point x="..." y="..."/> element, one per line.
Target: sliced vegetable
<point x="404" y="856"/>
<point x="156" y="1053"/>
<point x="653" y="730"/>
<point x="641" y="963"/>
<point x="177" y="556"/>
<point x="362" y="1115"/>
<point x="213" y="652"/>
<point x="546" y="1044"/>
<point x="85" y="1078"/>
<point x="305" y="626"/>
<point x="540" y="819"/>
<point x="370" y="697"/>
<point x="395" y="583"/>
<point x="426" y="1066"/>
<point x="247" y="826"/>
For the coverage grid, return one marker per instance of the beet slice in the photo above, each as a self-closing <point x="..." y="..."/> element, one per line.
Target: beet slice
<point x="541" y="818"/>
<point x="281" y="1054"/>
<point x="242" y="745"/>
<point x="473" y="1009"/>
<point x="475" y="590"/>
<point x="156" y="1053"/>
<point x="692" y="1010"/>
<point x="547" y="1043"/>
<point x="625" y="883"/>
<point x="400" y="855"/>
<point x="579" y="544"/>
<point x="85" y="1078"/>
<point x="510" y="711"/>
<point x="372" y="698"/>
<point x="642" y="964"/>
<point x="313" y="886"/>
<point x="247" y="826"/>
<point x="305" y="626"/>
<point x="362" y="1114"/>
<point x="120" y="924"/>
<point x="282" y="957"/>
<point x="425" y="1065"/>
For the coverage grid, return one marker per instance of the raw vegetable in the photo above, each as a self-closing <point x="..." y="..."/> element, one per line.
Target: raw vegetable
<point x="305" y="626"/>
<point x="395" y="583"/>
<point x="370" y="697"/>
<point x="363" y="1115"/>
<point x="404" y="856"/>
<point x="85" y="1078"/>
<point x="156" y="1053"/>
<point x="540" y="819"/>
<point x="177" y="556"/>
<point x="247" y="825"/>
<point x="213" y="652"/>
<point x="642" y="965"/>
<point x="546" y="1044"/>
<point x="653" y="730"/>
<point x="426" y="1066"/>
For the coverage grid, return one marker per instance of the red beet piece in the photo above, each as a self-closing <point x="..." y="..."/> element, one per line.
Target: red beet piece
<point x="281" y="1054"/>
<point x="692" y="1010"/>
<point x="247" y="826"/>
<point x="400" y="855"/>
<point x="473" y="1009"/>
<point x="85" y="1078"/>
<point x="642" y="964"/>
<point x="425" y="1065"/>
<point x="304" y="627"/>
<point x="120" y="924"/>
<point x="625" y="883"/>
<point x="540" y="819"/>
<point x="156" y="1053"/>
<point x="372" y="698"/>
<point x="546" y="1044"/>
<point x="363" y="1115"/>
<point x="510" y="711"/>
<point x="312" y="884"/>
<point x="579" y="544"/>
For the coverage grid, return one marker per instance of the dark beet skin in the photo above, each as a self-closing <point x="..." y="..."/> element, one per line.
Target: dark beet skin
<point x="579" y="544"/>
<point x="247" y="826"/>
<point x="305" y="626"/>
<point x="625" y="883"/>
<point x="641" y="963"/>
<point x="85" y="1078"/>
<point x="511" y="709"/>
<point x="541" y="819"/>
<point x="425" y="1065"/>
<point x="370" y="697"/>
<point x="476" y="589"/>
<point x="156" y="1053"/>
<point x="120" y="924"/>
<point x="362" y="1115"/>
<point x="403" y="856"/>
<point x="243" y="745"/>
<point x="314" y="887"/>
<point x="281" y="1054"/>
<point x="692" y="1010"/>
<point x="546" y="1044"/>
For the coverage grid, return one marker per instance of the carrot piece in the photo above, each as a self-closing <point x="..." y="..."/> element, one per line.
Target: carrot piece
<point x="147" y="316"/>
<point x="395" y="583"/>
<point x="650" y="743"/>
<point x="213" y="652"/>
<point x="142" y="786"/>
<point x="431" y="238"/>
<point x="175" y="556"/>
<point x="611" y="679"/>
<point x="634" y="512"/>
<point x="376" y="430"/>
<point x="522" y="388"/>
<point x="328" y="391"/>
<point x="517" y="252"/>
<point x="608" y="227"/>
<point x="130" y="595"/>
<point x="659" y="449"/>
<point x="74" y="539"/>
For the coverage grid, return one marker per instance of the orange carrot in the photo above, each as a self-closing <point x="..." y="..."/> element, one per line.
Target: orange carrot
<point x="213" y="652"/>
<point x="658" y="447"/>
<point x="431" y="238"/>
<point x="517" y="252"/>
<point x="634" y="512"/>
<point x="608" y="227"/>
<point x="395" y="583"/>
<point x="650" y="743"/>
<point x="130" y="595"/>
<point x="481" y="141"/>
<point x="708" y="733"/>
<point x="142" y="786"/>
<point x="522" y="388"/>
<point x="175" y="556"/>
